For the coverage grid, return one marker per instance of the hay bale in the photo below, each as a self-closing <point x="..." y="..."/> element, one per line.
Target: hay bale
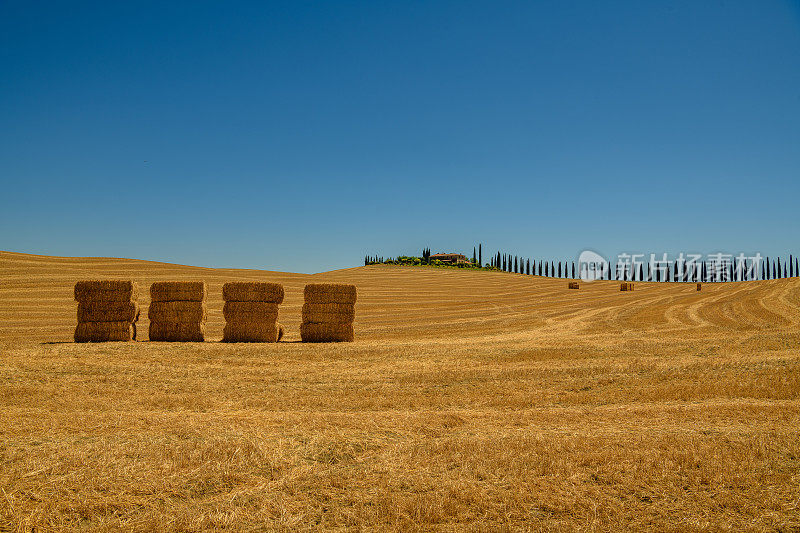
<point x="699" y="285"/>
<point x="330" y="293"/>
<point x="106" y="291"/>
<point x="574" y="285"/>
<point x="171" y="291"/>
<point x="252" y="291"/>
<point x="327" y="332"/>
<point x="329" y="313"/>
<point x="250" y="312"/>
<point x="626" y="286"/>
<point x="177" y="332"/>
<point x="107" y="311"/>
<point x="252" y="332"/>
<point x="105" y="332"/>
<point x="177" y="312"/>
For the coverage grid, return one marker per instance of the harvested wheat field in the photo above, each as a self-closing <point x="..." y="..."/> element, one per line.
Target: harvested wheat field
<point x="469" y="400"/>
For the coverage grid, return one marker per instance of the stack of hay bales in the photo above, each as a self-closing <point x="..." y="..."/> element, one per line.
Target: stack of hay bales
<point x="177" y="311"/>
<point x="328" y="313"/>
<point x="251" y="312"/>
<point x="699" y="286"/>
<point x="574" y="285"/>
<point x="107" y="311"/>
<point x="626" y="286"/>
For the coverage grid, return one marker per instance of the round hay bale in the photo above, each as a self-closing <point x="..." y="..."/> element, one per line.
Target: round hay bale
<point x="107" y="311"/>
<point x="106" y="291"/>
<point x="329" y="313"/>
<point x="175" y="291"/>
<point x="104" y="332"/>
<point x="171" y="332"/>
<point x="252" y="332"/>
<point x="252" y="291"/>
<point x="182" y="312"/>
<point x="330" y="293"/>
<point x="250" y="312"/>
<point x="327" y="332"/>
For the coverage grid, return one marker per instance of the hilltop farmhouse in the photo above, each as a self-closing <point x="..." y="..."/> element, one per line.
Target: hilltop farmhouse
<point x="456" y="259"/>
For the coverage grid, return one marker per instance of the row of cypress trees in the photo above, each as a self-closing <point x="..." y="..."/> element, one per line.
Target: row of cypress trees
<point x="706" y="271"/>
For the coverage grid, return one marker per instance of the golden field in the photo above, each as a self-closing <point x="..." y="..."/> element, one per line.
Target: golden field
<point x="470" y="400"/>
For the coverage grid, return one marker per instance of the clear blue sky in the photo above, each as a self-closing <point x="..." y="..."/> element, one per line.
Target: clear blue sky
<point x="301" y="136"/>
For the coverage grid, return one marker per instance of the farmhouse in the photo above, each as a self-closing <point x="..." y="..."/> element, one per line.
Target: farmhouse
<point x="450" y="258"/>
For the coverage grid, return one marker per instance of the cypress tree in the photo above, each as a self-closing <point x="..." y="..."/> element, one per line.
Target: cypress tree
<point x="528" y="267"/>
<point x="474" y="257"/>
<point x="480" y="256"/>
<point x="573" y="270"/>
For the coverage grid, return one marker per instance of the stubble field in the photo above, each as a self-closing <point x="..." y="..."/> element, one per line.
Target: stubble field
<point x="470" y="400"/>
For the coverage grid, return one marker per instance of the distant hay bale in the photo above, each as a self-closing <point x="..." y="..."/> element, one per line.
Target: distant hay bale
<point x="699" y="286"/>
<point x="327" y="332"/>
<point x="626" y="286"/>
<point x="106" y="291"/>
<point x="179" y="312"/>
<point x="107" y="311"/>
<point x="574" y="285"/>
<point x="258" y="311"/>
<point x="252" y="291"/>
<point x="329" y="313"/>
<point x="177" y="332"/>
<point x="171" y="291"/>
<point x="105" y="332"/>
<point x="252" y="332"/>
<point x="330" y="293"/>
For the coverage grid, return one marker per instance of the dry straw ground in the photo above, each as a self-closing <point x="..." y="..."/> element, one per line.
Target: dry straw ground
<point x="469" y="400"/>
